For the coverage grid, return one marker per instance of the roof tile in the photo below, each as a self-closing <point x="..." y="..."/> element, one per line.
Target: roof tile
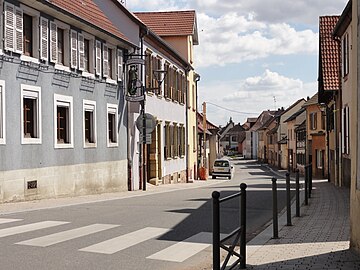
<point x="169" y="23"/>
<point x="329" y="50"/>
<point x="89" y="11"/>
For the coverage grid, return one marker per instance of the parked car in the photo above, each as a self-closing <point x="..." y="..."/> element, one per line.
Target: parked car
<point x="222" y="168"/>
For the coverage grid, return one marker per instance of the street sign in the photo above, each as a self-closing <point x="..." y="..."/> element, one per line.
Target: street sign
<point x="150" y="123"/>
<point x="147" y="139"/>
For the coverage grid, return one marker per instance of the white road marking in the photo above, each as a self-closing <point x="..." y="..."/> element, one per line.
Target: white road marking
<point x="30" y="227"/>
<point x="59" y="237"/>
<point x="181" y="251"/>
<point x="8" y="220"/>
<point x="116" y="244"/>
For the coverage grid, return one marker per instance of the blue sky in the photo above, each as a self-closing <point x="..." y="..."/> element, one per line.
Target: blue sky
<point x="253" y="55"/>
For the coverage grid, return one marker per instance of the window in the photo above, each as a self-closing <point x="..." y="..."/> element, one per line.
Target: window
<point x="89" y="123"/>
<point x="167" y="145"/>
<point x="2" y="113"/>
<point x="345" y="54"/>
<point x="313" y="121"/>
<point x="319" y="159"/>
<point x="86" y="55"/>
<point x="112" y="120"/>
<point x="59" y="44"/>
<point x="27" y="35"/>
<point x="175" y="141"/>
<point x="31" y="114"/>
<point x="22" y="32"/>
<point x="63" y="121"/>
<point x="345" y="130"/>
<point x="109" y="63"/>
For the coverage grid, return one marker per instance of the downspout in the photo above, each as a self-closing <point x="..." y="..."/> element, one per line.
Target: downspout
<point x="197" y="79"/>
<point x="187" y="126"/>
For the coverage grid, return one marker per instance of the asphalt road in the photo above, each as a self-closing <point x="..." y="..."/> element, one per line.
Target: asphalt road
<point x="170" y="230"/>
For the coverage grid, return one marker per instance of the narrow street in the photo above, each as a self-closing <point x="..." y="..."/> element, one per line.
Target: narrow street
<point x="169" y="230"/>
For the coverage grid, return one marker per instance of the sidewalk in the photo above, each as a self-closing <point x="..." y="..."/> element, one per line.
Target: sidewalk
<point x="16" y="207"/>
<point x="318" y="239"/>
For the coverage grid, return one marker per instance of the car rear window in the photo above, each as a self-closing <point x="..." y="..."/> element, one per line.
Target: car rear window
<point x="221" y="163"/>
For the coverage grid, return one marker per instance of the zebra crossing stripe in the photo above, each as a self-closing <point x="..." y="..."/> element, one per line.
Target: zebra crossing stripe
<point x="59" y="237"/>
<point x="181" y="251"/>
<point x="122" y="242"/>
<point x="8" y="220"/>
<point x="30" y="227"/>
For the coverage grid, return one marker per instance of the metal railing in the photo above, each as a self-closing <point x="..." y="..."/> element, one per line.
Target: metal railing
<point x="238" y="234"/>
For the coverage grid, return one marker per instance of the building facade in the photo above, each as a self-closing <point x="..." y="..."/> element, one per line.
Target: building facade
<point x="63" y="115"/>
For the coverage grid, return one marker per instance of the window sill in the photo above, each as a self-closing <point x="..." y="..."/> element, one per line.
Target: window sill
<point x="2" y="141"/>
<point x="111" y="81"/>
<point x="30" y="140"/>
<point x="112" y="145"/>
<point x="63" y="146"/>
<point x="90" y="145"/>
<point x="88" y="75"/>
<point x="26" y="58"/>
<point x="62" y="68"/>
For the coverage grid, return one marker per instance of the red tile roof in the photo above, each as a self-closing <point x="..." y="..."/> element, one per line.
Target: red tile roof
<point x="169" y="23"/>
<point x="89" y="11"/>
<point x="329" y="53"/>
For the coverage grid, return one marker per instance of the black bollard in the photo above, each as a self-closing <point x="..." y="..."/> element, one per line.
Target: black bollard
<point x="275" y="210"/>
<point x="297" y="187"/>
<point x="288" y="200"/>
<point x="243" y="226"/>
<point x="216" y="230"/>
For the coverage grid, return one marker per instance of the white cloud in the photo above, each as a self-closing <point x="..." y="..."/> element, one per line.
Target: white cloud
<point x="299" y="11"/>
<point x="252" y="95"/>
<point x="234" y="39"/>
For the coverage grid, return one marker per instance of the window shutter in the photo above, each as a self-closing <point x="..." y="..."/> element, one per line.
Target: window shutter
<point x="18" y="30"/>
<point x="98" y="57"/>
<point x="53" y="42"/>
<point x="119" y="65"/>
<point x="105" y="60"/>
<point x="73" y="49"/>
<point x="343" y="130"/>
<point x="44" y="37"/>
<point x="347" y="130"/>
<point x="81" y="52"/>
<point x="9" y="26"/>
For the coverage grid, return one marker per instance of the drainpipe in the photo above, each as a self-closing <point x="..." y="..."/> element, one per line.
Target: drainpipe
<point x="197" y="79"/>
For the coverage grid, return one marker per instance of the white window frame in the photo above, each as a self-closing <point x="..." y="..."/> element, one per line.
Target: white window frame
<point x="66" y="101"/>
<point x="113" y="109"/>
<point x="66" y="28"/>
<point x="89" y="105"/>
<point x="36" y="34"/>
<point x="2" y="113"/>
<point x="91" y="73"/>
<point x="319" y="158"/>
<point x="113" y="79"/>
<point x="17" y="31"/>
<point x="33" y="92"/>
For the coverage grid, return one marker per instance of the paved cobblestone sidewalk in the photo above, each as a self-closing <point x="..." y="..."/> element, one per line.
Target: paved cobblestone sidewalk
<point x="319" y="239"/>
